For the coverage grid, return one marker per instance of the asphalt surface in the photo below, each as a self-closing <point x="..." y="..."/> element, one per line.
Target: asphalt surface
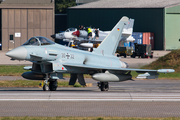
<point x="139" y="98"/>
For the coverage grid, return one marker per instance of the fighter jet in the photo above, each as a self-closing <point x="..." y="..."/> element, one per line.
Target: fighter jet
<point x="51" y="60"/>
<point x="81" y="35"/>
<point x="126" y="33"/>
<point x="66" y="34"/>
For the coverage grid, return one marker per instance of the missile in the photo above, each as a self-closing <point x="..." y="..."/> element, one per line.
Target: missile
<point x="87" y="45"/>
<point x="109" y="77"/>
<point x="166" y="70"/>
<point x="33" y="76"/>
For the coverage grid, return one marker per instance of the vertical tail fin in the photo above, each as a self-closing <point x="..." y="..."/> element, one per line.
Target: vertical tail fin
<point x="109" y="45"/>
<point x="128" y="28"/>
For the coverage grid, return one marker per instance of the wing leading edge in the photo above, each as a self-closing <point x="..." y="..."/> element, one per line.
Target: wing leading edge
<point x="118" y="69"/>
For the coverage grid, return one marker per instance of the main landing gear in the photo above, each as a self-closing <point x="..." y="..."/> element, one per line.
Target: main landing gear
<point x="103" y="86"/>
<point x="52" y="85"/>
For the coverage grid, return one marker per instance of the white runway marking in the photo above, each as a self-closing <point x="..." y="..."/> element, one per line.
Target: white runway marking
<point x="128" y="99"/>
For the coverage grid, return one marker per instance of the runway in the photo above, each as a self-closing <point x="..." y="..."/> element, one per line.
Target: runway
<point x="140" y="98"/>
<point x="89" y="96"/>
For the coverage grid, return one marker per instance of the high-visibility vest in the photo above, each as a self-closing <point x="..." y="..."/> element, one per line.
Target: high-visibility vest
<point x="89" y="30"/>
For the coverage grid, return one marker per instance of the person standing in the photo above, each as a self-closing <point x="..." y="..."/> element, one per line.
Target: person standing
<point x="81" y="27"/>
<point x="89" y="31"/>
<point x="96" y="33"/>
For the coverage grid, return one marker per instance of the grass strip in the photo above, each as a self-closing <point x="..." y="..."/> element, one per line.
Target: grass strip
<point x="31" y="83"/>
<point x="13" y="70"/>
<point x="84" y="118"/>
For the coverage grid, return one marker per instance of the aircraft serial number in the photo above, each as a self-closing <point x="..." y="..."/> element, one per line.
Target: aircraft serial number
<point x="67" y="56"/>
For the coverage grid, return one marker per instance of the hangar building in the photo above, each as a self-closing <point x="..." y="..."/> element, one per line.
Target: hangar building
<point x="22" y="19"/>
<point x="162" y="17"/>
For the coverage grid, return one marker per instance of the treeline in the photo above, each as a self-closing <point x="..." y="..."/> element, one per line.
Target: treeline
<point x="62" y="5"/>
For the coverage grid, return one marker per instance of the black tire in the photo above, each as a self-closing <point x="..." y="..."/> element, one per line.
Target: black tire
<point x="45" y="87"/>
<point x="124" y="55"/>
<point x="53" y="85"/>
<point x="142" y="56"/>
<point x="151" y="56"/>
<point x="104" y="86"/>
<point x="133" y="55"/>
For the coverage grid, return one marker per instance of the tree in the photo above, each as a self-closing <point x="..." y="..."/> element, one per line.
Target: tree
<point x="62" y="5"/>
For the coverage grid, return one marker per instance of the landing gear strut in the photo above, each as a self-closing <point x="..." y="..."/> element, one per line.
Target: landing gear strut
<point x="103" y="86"/>
<point x="45" y="86"/>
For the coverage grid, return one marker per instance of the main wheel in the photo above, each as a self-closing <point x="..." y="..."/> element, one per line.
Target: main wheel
<point x="45" y="87"/>
<point x="53" y="85"/>
<point x="104" y="86"/>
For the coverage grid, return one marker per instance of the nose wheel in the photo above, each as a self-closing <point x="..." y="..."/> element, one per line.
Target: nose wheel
<point x="103" y="86"/>
<point x="45" y="87"/>
<point x="52" y="84"/>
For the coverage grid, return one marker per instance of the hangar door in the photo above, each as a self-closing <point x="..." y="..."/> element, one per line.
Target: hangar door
<point x="172" y="31"/>
<point x="18" y="25"/>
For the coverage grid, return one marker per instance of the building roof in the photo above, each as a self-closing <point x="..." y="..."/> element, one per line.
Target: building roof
<point x="129" y="4"/>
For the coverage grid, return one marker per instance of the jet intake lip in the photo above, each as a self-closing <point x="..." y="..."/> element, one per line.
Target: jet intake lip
<point x="19" y="53"/>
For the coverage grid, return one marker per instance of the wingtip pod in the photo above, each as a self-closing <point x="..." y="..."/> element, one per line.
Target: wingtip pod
<point x="166" y="70"/>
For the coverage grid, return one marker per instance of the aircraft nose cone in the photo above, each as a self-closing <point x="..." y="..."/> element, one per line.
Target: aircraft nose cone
<point x="76" y="33"/>
<point x="53" y="36"/>
<point x="19" y="53"/>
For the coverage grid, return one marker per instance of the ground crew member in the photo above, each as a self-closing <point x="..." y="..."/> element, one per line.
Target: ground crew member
<point x="89" y="31"/>
<point x="81" y="27"/>
<point x="96" y="33"/>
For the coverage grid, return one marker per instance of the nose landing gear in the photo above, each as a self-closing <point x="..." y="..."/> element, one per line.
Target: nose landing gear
<point x="52" y="84"/>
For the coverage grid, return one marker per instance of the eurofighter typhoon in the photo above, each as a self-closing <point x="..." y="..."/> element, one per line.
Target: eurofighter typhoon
<point x="51" y="60"/>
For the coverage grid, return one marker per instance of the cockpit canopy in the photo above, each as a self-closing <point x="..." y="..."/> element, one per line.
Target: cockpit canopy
<point x="71" y="29"/>
<point x="39" y="40"/>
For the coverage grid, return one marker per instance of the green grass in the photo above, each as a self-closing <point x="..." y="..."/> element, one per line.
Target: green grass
<point x="11" y="70"/>
<point x="83" y="118"/>
<point x="66" y="75"/>
<point x="31" y="83"/>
